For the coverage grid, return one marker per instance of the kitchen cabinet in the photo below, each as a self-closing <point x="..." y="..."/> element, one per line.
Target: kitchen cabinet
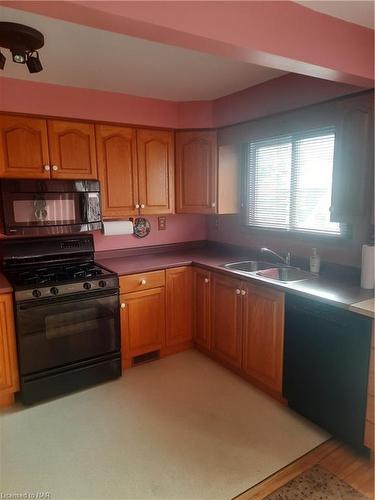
<point x="227" y="320"/>
<point x="136" y="171"/>
<point x="155" y="171"/>
<point x="196" y="170"/>
<point x="207" y="177"/>
<point x="43" y="149"/>
<point x="72" y="149"/>
<point x="178" y="306"/>
<point x="263" y="336"/>
<point x="9" y="383"/>
<point x="369" y="422"/>
<point x="142" y="322"/>
<point x="202" y="308"/>
<point x="117" y="168"/>
<point x="24" y="147"/>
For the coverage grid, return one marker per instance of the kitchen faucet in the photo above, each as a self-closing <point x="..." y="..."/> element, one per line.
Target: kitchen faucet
<point x="285" y="260"/>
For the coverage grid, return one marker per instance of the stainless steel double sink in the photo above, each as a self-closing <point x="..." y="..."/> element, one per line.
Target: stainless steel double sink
<point x="276" y="272"/>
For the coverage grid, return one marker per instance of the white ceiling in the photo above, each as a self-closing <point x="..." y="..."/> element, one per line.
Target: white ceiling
<point x="80" y="56"/>
<point x="357" y="12"/>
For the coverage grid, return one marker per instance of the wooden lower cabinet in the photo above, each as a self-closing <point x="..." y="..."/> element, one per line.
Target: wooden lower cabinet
<point x="226" y="331"/>
<point x="9" y="383"/>
<point x="263" y="336"/>
<point x="202" y="308"/>
<point x="178" y="306"/>
<point x="142" y="322"/>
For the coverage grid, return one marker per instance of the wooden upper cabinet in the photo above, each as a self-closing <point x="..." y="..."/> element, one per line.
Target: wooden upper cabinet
<point x="202" y="308"/>
<point x="227" y="320"/>
<point x="196" y="171"/>
<point x="156" y="171"/>
<point x="8" y="351"/>
<point x="263" y="336"/>
<point x="142" y="322"/>
<point x="178" y="305"/>
<point x="117" y="168"/>
<point x="24" y="147"/>
<point x="72" y="150"/>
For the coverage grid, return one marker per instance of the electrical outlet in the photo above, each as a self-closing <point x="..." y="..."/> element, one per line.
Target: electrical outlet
<point x="162" y="223"/>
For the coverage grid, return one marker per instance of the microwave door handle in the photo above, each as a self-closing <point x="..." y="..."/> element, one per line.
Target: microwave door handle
<point x="83" y="200"/>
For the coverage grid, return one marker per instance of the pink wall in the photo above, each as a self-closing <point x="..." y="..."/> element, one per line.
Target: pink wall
<point x="180" y="228"/>
<point x="280" y="94"/>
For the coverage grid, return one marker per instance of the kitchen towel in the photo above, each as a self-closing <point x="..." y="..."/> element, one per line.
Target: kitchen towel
<point x="113" y="227"/>
<point x="367" y="273"/>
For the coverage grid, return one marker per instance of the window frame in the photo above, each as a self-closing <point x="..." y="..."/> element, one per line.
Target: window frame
<point x="346" y="232"/>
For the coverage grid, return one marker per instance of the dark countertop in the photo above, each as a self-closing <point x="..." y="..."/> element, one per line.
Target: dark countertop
<point x="338" y="292"/>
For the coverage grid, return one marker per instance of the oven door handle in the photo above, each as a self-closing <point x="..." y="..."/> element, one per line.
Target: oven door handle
<point x="71" y="298"/>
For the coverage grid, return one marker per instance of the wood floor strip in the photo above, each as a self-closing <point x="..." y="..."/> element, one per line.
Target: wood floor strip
<point x="289" y="472"/>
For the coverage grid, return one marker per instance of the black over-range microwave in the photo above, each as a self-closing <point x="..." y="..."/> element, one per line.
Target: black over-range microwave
<point x="47" y="207"/>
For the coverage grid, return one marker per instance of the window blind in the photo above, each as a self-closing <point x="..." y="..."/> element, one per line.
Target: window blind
<point x="289" y="182"/>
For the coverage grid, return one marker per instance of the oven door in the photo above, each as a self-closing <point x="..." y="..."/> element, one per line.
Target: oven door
<point x="57" y="332"/>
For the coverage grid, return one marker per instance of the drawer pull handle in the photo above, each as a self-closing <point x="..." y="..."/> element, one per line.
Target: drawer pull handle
<point x="123" y="305"/>
<point x="206" y="280"/>
<point x="142" y="282"/>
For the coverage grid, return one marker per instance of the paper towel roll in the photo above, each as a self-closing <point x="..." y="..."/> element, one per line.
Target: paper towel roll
<point x="113" y="227"/>
<point x="367" y="273"/>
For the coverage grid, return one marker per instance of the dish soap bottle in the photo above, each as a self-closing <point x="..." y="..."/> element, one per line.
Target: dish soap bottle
<point x="314" y="262"/>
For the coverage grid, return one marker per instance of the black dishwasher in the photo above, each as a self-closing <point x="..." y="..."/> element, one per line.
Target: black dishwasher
<point x="326" y="361"/>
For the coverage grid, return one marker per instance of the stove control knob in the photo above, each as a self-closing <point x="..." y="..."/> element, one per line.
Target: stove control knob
<point x="37" y="293"/>
<point x="87" y="286"/>
<point x="102" y="283"/>
<point x="54" y="290"/>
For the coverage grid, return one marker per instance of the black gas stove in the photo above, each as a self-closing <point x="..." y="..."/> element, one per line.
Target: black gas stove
<point x="67" y="315"/>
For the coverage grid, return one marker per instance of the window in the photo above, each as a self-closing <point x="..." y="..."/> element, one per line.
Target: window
<point x="289" y="182"/>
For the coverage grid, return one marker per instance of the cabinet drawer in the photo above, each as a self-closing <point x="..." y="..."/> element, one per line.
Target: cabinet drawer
<point x="142" y="281"/>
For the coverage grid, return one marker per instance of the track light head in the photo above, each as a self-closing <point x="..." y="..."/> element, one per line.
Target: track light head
<point x="19" y="54"/>
<point x="33" y="62"/>
<point x="2" y="61"/>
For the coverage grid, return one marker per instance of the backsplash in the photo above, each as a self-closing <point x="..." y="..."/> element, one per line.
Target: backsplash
<point x="179" y="228"/>
<point x="228" y="229"/>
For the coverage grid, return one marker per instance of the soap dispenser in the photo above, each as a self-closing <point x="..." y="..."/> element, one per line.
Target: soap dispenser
<point x="314" y="262"/>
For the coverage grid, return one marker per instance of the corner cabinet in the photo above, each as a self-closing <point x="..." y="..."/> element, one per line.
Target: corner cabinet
<point x="9" y="383"/>
<point x="196" y="169"/>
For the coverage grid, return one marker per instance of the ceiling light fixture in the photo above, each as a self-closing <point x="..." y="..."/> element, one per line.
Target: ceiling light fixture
<point x="23" y="42"/>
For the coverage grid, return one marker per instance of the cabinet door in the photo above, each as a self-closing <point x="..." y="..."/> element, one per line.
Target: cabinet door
<point x="263" y="336"/>
<point x="117" y="167"/>
<point x="196" y="171"/>
<point x="178" y="305"/>
<point x="72" y="150"/>
<point x="24" y="147"/>
<point x="142" y="322"/>
<point x="202" y="307"/>
<point x="227" y="320"/>
<point x="8" y="352"/>
<point x="156" y="171"/>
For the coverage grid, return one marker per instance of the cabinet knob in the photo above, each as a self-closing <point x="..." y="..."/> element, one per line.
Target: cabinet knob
<point x="243" y="292"/>
<point x="213" y="204"/>
<point x="142" y="282"/>
<point x="55" y="168"/>
<point x="206" y="280"/>
<point x="142" y="205"/>
<point x="122" y="305"/>
<point x="238" y="291"/>
<point x="47" y="168"/>
<point x="137" y="205"/>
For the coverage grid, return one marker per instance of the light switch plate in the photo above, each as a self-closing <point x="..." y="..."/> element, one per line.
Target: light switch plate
<point x="162" y="223"/>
